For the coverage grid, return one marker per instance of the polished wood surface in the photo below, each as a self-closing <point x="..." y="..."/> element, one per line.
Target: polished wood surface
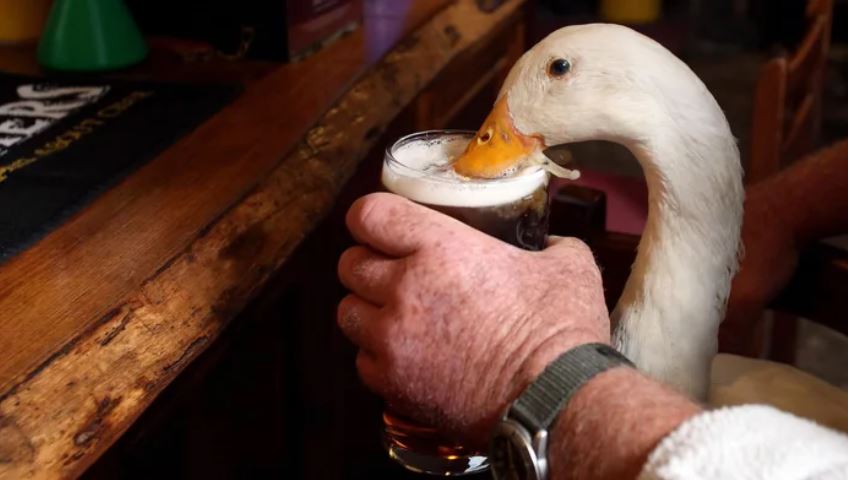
<point x="278" y="395"/>
<point x="125" y="235"/>
<point x="105" y="311"/>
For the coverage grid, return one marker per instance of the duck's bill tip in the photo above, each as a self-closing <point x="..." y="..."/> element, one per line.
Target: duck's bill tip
<point x="497" y="147"/>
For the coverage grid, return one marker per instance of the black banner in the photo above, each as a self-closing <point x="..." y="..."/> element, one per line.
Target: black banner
<point x="62" y="143"/>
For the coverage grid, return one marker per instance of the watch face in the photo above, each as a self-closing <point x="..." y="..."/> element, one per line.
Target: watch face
<point x="512" y="456"/>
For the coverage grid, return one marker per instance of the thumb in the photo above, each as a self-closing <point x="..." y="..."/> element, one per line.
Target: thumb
<point x="574" y="255"/>
<point x="567" y="246"/>
<point x="395" y="226"/>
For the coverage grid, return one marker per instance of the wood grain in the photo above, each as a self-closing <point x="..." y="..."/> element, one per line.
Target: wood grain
<point x="100" y="255"/>
<point x="103" y="313"/>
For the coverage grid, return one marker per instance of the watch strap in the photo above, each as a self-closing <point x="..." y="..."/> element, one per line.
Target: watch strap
<point x="542" y="401"/>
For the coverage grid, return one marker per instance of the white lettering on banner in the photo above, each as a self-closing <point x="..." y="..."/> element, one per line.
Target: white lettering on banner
<point x="9" y="141"/>
<point x="38" y="106"/>
<point x="30" y="92"/>
<point x="15" y="127"/>
<point x="34" y="108"/>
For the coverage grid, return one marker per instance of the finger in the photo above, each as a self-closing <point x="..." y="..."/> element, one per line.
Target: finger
<point x="394" y="225"/>
<point x="370" y="373"/>
<point x="569" y="244"/>
<point x="367" y="273"/>
<point x="357" y="319"/>
<point x="575" y="254"/>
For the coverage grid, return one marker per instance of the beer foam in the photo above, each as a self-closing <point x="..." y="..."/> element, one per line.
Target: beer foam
<point x="420" y="170"/>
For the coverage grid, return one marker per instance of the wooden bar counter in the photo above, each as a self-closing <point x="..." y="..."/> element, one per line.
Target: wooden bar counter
<point x="102" y="314"/>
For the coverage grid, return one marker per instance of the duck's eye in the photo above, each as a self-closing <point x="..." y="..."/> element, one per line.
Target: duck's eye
<point x="559" y="67"/>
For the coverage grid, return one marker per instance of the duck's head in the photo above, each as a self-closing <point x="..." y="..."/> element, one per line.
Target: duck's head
<point x="607" y="82"/>
<point x="586" y="82"/>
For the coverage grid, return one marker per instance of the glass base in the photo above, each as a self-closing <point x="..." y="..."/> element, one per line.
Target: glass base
<point x="424" y="449"/>
<point x="445" y="466"/>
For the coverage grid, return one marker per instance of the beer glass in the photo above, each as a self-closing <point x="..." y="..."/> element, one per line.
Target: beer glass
<point x="513" y="209"/>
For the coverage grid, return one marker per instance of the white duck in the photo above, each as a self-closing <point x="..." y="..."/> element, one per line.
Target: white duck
<point x="607" y="82"/>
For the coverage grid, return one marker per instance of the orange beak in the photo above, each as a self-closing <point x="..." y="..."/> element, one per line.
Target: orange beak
<point x="497" y="147"/>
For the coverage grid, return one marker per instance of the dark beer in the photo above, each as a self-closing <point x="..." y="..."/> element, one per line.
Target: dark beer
<point x="523" y="222"/>
<point x="513" y="208"/>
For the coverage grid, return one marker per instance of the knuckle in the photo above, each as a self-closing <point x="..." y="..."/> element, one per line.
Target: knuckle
<point x="367" y="210"/>
<point x="346" y="302"/>
<point x="401" y="285"/>
<point x="579" y="247"/>
<point x="361" y="364"/>
<point x="581" y="258"/>
<point x="348" y="261"/>
<point x="343" y="309"/>
<point x="592" y="271"/>
<point x="368" y="373"/>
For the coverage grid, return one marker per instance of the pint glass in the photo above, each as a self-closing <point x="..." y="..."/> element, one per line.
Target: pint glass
<point x="513" y="209"/>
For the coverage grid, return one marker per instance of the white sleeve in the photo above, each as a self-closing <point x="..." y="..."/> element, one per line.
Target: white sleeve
<point x="749" y="442"/>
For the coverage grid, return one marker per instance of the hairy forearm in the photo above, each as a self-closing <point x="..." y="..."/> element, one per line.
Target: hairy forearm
<point x="810" y="196"/>
<point x="612" y="424"/>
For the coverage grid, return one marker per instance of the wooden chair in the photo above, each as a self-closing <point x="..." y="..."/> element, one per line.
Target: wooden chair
<point x="787" y="116"/>
<point x="788" y="98"/>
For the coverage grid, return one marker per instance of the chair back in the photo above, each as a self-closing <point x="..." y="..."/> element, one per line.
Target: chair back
<point x="788" y="98"/>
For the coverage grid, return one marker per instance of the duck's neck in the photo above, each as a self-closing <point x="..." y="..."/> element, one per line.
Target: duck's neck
<point x="667" y="318"/>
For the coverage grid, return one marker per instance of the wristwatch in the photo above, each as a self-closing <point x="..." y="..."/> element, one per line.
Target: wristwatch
<point x="519" y="444"/>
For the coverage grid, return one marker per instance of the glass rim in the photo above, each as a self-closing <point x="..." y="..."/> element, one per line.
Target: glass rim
<point x="394" y="163"/>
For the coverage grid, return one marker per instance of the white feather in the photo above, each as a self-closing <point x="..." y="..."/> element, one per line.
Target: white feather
<point x="626" y="88"/>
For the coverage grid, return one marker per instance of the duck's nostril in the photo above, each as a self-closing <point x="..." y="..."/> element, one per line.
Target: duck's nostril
<point x="486" y="136"/>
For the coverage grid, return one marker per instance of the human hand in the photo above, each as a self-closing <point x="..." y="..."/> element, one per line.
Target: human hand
<point x="768" y="262"/>
<point x="453" y="324"/>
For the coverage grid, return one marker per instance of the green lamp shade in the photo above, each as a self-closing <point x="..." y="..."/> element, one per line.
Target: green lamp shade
<point x="90" y="35"/>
